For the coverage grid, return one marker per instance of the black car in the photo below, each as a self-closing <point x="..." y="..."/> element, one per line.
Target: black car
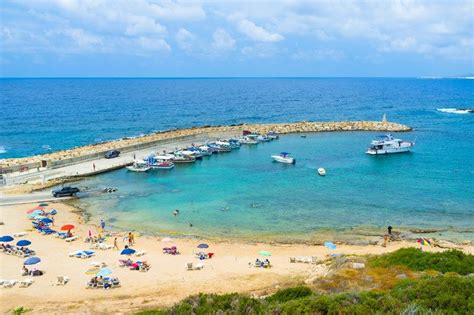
<point x="112" y="154"/>
<point x="65" y="191"/>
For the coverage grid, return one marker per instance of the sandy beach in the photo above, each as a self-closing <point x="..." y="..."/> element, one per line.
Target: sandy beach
<point x="165" y="283"/>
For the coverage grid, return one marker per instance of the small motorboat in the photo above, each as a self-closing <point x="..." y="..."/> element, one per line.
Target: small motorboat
<point x="321" y="171"/>
<point x="284" y="158"/>
<point x="139" y="166"/>
<point x="272" y="135"/>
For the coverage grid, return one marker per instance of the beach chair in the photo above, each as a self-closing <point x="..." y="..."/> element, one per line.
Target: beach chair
<point x="60" y="235"/>
<point x="9" y="283"/>
<point x="25" y="283"/>
<point x="62" y="280"/>
<point x="115" y="282"/>
<point x="70" y="239"/>
<point x="199" y="266"/>
<point x="19" y="234"/>
<point x="98" y="264"/>
<point x="292" y="259"/>
<point x="189" y="266"/>
<point x="314" y="259"/>
<point x="125" y="263"/>
<point x="140" y="253"/>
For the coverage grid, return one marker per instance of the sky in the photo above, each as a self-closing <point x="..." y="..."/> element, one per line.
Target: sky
<point x="169" y="38"/>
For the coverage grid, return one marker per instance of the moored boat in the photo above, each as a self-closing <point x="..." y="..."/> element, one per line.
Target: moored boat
<point x="284" y="158"/>
<point x="321" y="171"/>
<point x="387" y="144"/>
<point x="139" y="166"/>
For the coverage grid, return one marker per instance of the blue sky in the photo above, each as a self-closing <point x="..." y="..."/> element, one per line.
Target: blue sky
<point x="234" y="38"/>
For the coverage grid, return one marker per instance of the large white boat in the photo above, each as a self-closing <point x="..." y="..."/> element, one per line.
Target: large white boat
<point x="139" y="166"/>
<point x="387" y="144"/>
<point x="284" y="158"/>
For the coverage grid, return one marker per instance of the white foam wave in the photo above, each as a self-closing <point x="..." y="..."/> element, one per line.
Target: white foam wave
<point x="455" y="110"/>
<point x="2" y="149"/>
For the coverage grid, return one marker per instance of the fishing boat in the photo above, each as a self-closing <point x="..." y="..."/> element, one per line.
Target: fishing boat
<point x="139" y="166"/>
<point x="284" y="158"/>
<point x="387" y="144"/>
<point x="263" y="138"/>
<point x="205" y="150"/>
<point x="179" y="157"/>
<point x="321" y="171"/>
<point x="234" y="143"/>
<point x="272" y="135"/>
<point x="163" y="162"/>
<point x="248" y="140"/>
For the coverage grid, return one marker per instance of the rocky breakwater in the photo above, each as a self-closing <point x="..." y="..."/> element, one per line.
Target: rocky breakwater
<point x="120" y="144"/>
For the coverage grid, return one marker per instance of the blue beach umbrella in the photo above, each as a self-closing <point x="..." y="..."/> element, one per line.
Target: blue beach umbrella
<point x="31" y="261"/>
<point x="127" y="251"/>
<point x="330" y="245"/>
<point x="6" y="239"/>
<point x="46" y="220"/>
<point x="23" y="243"/>
<point x="53" y="212"/>
<point x="35" y="213"/>
<point x="104" y="272"/>
<point x="203" y="245"/>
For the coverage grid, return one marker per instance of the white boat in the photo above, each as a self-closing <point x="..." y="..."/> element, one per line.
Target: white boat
<point x="139" y="166"/>
<point x="248" y="140"/>
<point x="183" y="158"/>
<point x="387" y="144"/>
<point x="164" y="162"/>
<point x="321" y="171"/>
<point x="284" y="158"/>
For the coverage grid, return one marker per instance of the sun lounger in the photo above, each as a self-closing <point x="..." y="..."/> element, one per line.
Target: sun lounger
<point x="9" y="283"/>
<point x="125" y="263"/>
<point x="82" y="254"/>
<point x="19" y="234"/>
<point x="70" y="239"/>
<point x="62" y="280"/>
<point x="98" y="264"/>
<point x="26" y="283"/>
<point x="198" y="266"/>
<point x="140" y="253"/>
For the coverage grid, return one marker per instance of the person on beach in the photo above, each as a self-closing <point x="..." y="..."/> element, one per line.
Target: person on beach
<point x="134" y="157"/>
<point x="389" y="229"/>
<point x="385" y="240"/>
<point x="130" y="239"/>
<point x="115" y="244"/>
<point x="133" y="238"/>
<point x="24" y="271"/>
<point x="102" y="224"/>
<point x="93" y="166"/>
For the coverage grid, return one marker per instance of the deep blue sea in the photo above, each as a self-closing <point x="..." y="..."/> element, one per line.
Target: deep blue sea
<point x="244" y="194"/>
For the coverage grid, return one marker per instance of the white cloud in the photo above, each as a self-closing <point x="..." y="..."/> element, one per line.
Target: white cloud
<point x="319" y="54"/>
<point x="184" y="38"/>
<point x="143" y="25"/>
<point x="257" y="33"/>
<point x="222" y="40"/>
<point x="151" y="44"/>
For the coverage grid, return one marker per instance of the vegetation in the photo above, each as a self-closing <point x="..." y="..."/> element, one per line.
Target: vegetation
<point x="448" y="261"/>
<point x="427" y="293"/>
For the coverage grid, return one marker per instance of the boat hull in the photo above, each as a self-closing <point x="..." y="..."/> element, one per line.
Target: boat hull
<point x="284" y="160"/>
<point x="388" y="151"/>
<point x="138" y="170"/>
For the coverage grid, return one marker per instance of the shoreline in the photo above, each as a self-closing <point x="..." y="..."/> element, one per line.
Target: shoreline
<point x="227" y="272"/>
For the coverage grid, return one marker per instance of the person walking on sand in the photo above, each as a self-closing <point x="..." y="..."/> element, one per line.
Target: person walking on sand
<point x="102" y="224"/>
<point x="133" y="238"/>
<point x="385" y="240"/>
<point x="130" y="238"/>
<point x="115" y="244"/>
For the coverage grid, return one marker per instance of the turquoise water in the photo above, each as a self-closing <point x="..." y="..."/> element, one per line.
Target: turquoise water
<point x="244" y="194"/>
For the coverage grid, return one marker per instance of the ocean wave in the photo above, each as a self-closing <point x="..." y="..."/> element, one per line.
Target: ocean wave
<point x="2" y="150"/>
<point x="456" y="110"/>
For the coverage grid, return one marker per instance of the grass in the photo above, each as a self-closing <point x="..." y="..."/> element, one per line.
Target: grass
<point x="440" y="289"/>
<point x="448" y="261"/>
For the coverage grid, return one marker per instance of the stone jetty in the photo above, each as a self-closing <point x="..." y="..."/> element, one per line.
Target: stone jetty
<point x="131" y="143"/>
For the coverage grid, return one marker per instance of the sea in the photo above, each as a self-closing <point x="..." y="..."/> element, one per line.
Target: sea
<point x="243" y="194"/>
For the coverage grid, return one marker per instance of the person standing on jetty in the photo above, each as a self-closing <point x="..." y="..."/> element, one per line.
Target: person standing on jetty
<point x="93" y="166"/>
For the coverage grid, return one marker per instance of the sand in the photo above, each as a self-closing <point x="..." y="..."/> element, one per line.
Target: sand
<point x="165" y="283"/>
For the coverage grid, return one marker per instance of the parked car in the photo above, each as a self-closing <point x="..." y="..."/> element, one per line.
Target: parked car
<point x="65" y="191"/>
<point x="112" y="154"/>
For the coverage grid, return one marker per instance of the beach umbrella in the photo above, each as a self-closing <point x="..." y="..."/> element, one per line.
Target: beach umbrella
<point x="6" y="239"/>
<point x="104" y="272"/>
<point x="203" y="245"/>
<point x="67" y="227"/>
<point x="31" y="261"/>
<point x="43" y="204"/>
<point x="46" y="220"/>
<point x="35" y="209"/>
<point x="127" y="251"/>
<point x="264" y="253"/>
<point x="330" y="245"/>
<point x="53" y="212"/>
<point x="166" y="240"/>
<point x="23" y="243"/>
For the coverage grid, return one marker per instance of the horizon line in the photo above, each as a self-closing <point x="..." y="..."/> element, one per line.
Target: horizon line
<point x="232" y="77"/>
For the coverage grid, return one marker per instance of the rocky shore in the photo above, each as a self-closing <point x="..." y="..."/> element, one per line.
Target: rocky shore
<point x="284" y="128"/>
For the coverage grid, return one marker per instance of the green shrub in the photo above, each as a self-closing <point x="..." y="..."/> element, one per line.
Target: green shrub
<point x="448" y="261"/>
<point x="290" y="294"/>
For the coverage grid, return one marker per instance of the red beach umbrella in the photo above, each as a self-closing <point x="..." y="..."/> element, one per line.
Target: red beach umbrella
<point x="67" y="227"/>
<point x="34" y="209"/>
